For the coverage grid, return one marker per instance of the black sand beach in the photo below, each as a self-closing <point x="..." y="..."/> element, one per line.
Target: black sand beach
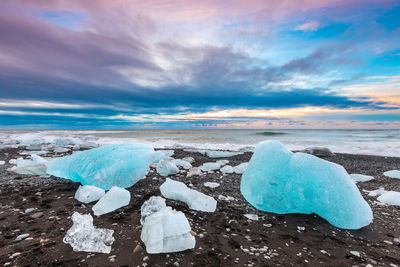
<point x="223" y="238"/>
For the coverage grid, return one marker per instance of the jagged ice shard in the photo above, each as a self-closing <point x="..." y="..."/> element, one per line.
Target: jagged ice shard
<point x="114" y="199"/>
<point x="106" y="166"/>
<point x="164" y="230"/>
<point x="279" y="181"/>
<point x="83" y="236"/>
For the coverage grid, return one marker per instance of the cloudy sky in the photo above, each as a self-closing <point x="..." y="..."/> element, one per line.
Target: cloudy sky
<point x="195" y="64"/>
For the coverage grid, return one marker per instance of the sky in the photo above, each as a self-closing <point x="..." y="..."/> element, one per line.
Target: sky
<point x="127" y="64"/>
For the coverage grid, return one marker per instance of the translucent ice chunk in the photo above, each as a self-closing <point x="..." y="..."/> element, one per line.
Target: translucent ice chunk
<point x="227" y="169"/>
<point x="211" y="184"/>
<point x="222" y="154"/>
<point x="34" y="166"/>
<point x="166" y="168"/>
<point x="210" y="166"/>
<point x="106" y="166"/>
<point x="390" y="198"/>
<point x="241" y="168"/>
<point x="194" y="199"/>
<point x="194" y="172"/>
<point x="360" y="177"/>
<point x="89" y="193"/>
<point x="83" y="236"/>
<point x="392" y="174"/>
<point x="164" y="229"/>
<point x="114" y="199"/>
<point x="182" y="163"/>
<point x="279" y="181"/>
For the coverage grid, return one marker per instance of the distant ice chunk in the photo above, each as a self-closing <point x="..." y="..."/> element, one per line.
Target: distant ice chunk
<point x="241" y="168"/>
<point x="222" y="154"/>
<point x="166" y="168"/>
<point x="227" y="169"/>
<point x="377" y="192"/>
<point x="390" y="198"/>
<point x="162" y="154"/>
<point x="60" y="150"/>
<point x="360" y="177"/>
<point x="12" y="161"/>
<point x="114" y="199"/>
<point x="194" y="172"/>
<point x="211" y="184"/>
<point x="63" y="142"/>
<point x="182" y="163"/>
<point x="2" y="162"/>
<point x="34" y="166"/>
<point x="210" y="166"/>
<point x="164" y="230"/>
<point x="89" y="193"/>
<point x="392" y="174"/>
<point x="188" y="159"/>
<point x="279" y="181"/>
<point x="226" y="198"/>
<point x="83" y="236"/>
<point x="194" y="199"/>
<point x="106" y="166"/>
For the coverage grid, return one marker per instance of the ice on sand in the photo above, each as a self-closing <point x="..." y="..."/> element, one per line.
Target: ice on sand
<point x="390" y="198"/>
<point x="106" y="166"/>
<point x="166" y="168"/>
<point x="279" y="181"/>
<point x="89" y="193"/>
<point x="114" y="199"/>
<point x="194" y="172"/>
<point x="227" y="169"/>
<point x="360" y="177"/>
<point x="211" y="184"/>
<point x="164" y="230"/>
<point x="34" y="166"/>
<point x="83" y="236"/>
<point x="182" y="163"/>
<point x="222" y="154"/>
<point x="194" y="199"/>
<point x="241" y="168"/>
<point x="392" y="174"/>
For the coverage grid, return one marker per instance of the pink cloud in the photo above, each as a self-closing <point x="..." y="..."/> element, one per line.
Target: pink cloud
<point x="308" y="26"/>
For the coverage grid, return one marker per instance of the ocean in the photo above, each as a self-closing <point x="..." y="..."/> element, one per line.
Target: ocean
<point x="371" y="142"/>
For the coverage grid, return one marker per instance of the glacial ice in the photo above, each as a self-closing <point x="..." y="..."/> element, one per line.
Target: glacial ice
<point x="210" y="166"/>
<point x="162" y="154"/>
<point x="211" y="184"/>
<point x="34" y="166"/>
<point x="241" y="168"/>
<point x="188" y="159"/>
<point x="390" y="198"/>
<point x="166" y="168"/>
<point x="114" y="199"/>
<point x="376" y="192"/>
<point x="164" y="230"/>
<point x="83" y="236"/>
<point x="182" y="163"/>
<point x="63" y="142"/>
<point x="194" y="199"/>
<point x="194" y="172"/>
<point x="227" y="169"/>
<point x="279" y="181"/>
<point x="222" y="154"/>
<point x="59" y="150"/>
<point x="251" y="216"/>
<point x="360" y="177"/>
<point x="392" y="174"/>
<point x="89" y="193"/>
<point x="106" y="166"/>
<point x="2" y="162"/>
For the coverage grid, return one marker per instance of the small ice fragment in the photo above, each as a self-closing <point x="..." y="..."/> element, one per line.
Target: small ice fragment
<point x="222" y="154"/>
<point x="89" y="193"/>
<point x="211" y="184"/>
<point x="114" y="199"/>
<point x="227" y="169"/>
<point x="225" y="198"/>
<point x="164" y="230"/>
<point x="194" y="199"/>
<point x="360" y="177"/>
<point x="63" y="142"/>
<point x="210" y="166"/>
<point x="29" y="210"/>
<point x="377" y="192"/>
<point x="188" y="159"/>
<point x="34" y="166"/>
<point x="182" y="163"/>
<point x="166" y="168"/>
<point x="251" y="216"/>
<point x="12" y="161"/>
<point x="2" y="162"/>
<point x="60" y="150"/>
<point x="392" y="174"/>
<point x="390" y="198"/>
<point x="21" y="237"/>
<point x="83" y="236"/>
<point x="355" y="253"/>
<point x="241" y="168"/>
<point x="222" y="162"/>
<point x="194" y="172"/>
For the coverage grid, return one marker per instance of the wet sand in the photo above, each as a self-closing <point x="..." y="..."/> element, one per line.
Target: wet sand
<point x="223" y="238"/>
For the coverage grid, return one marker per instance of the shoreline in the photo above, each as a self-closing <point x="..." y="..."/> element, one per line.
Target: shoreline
<point x="223" y="238"/>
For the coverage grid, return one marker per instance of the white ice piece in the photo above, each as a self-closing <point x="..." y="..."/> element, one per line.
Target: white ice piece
<point x="227" y="169"/>
<point x="251" y="216"/>
<point x="182" y="163"/>
<point x="194" y="199"/>
<point x="188" y="159"/>
<point x="241" y="168"/>
<point x="89" y="193"/>
<point x="194" y="172"/>
<point x="166" y="168"/>
<point x="221" y="154"/>
<point x="279" y="181"/>
<point x="83" y="236"/>
<point x="211" y="184"/>
<point x="392" y="174"/>
<point x="360" y="177"/>
<point x="164" y="230"/>
<point x="2" y="162"/>
<point x="114" y="199"/>
<point x="60" y="150"/>
<point x="390" y="198"/>
<point x="34" y="166"/>
<point x="376" y="192"/>
<point x="210" y="166"/>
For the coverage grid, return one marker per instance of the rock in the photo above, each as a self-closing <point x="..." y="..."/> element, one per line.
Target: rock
<point x="319" y="151"/>
<point x="138" y="249"/>
<point x="21" y="237"/>
<point x="37" y="215"/>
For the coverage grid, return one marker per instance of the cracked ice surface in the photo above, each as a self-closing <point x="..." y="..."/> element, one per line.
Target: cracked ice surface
<point x="83" y="236"/>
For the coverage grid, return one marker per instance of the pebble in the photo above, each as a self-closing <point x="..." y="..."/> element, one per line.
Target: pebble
<point x="21" y="237"/>
<point x="16" y="254"/>
<point x="29" y="210"/>
<point x="355" y="253"/>
<point x="37" y="215"/>
<point x="176" y="263"/>
<point x="146" y="258"/>
<point x="387" y="242"/>
<point x="137" y="249"/>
